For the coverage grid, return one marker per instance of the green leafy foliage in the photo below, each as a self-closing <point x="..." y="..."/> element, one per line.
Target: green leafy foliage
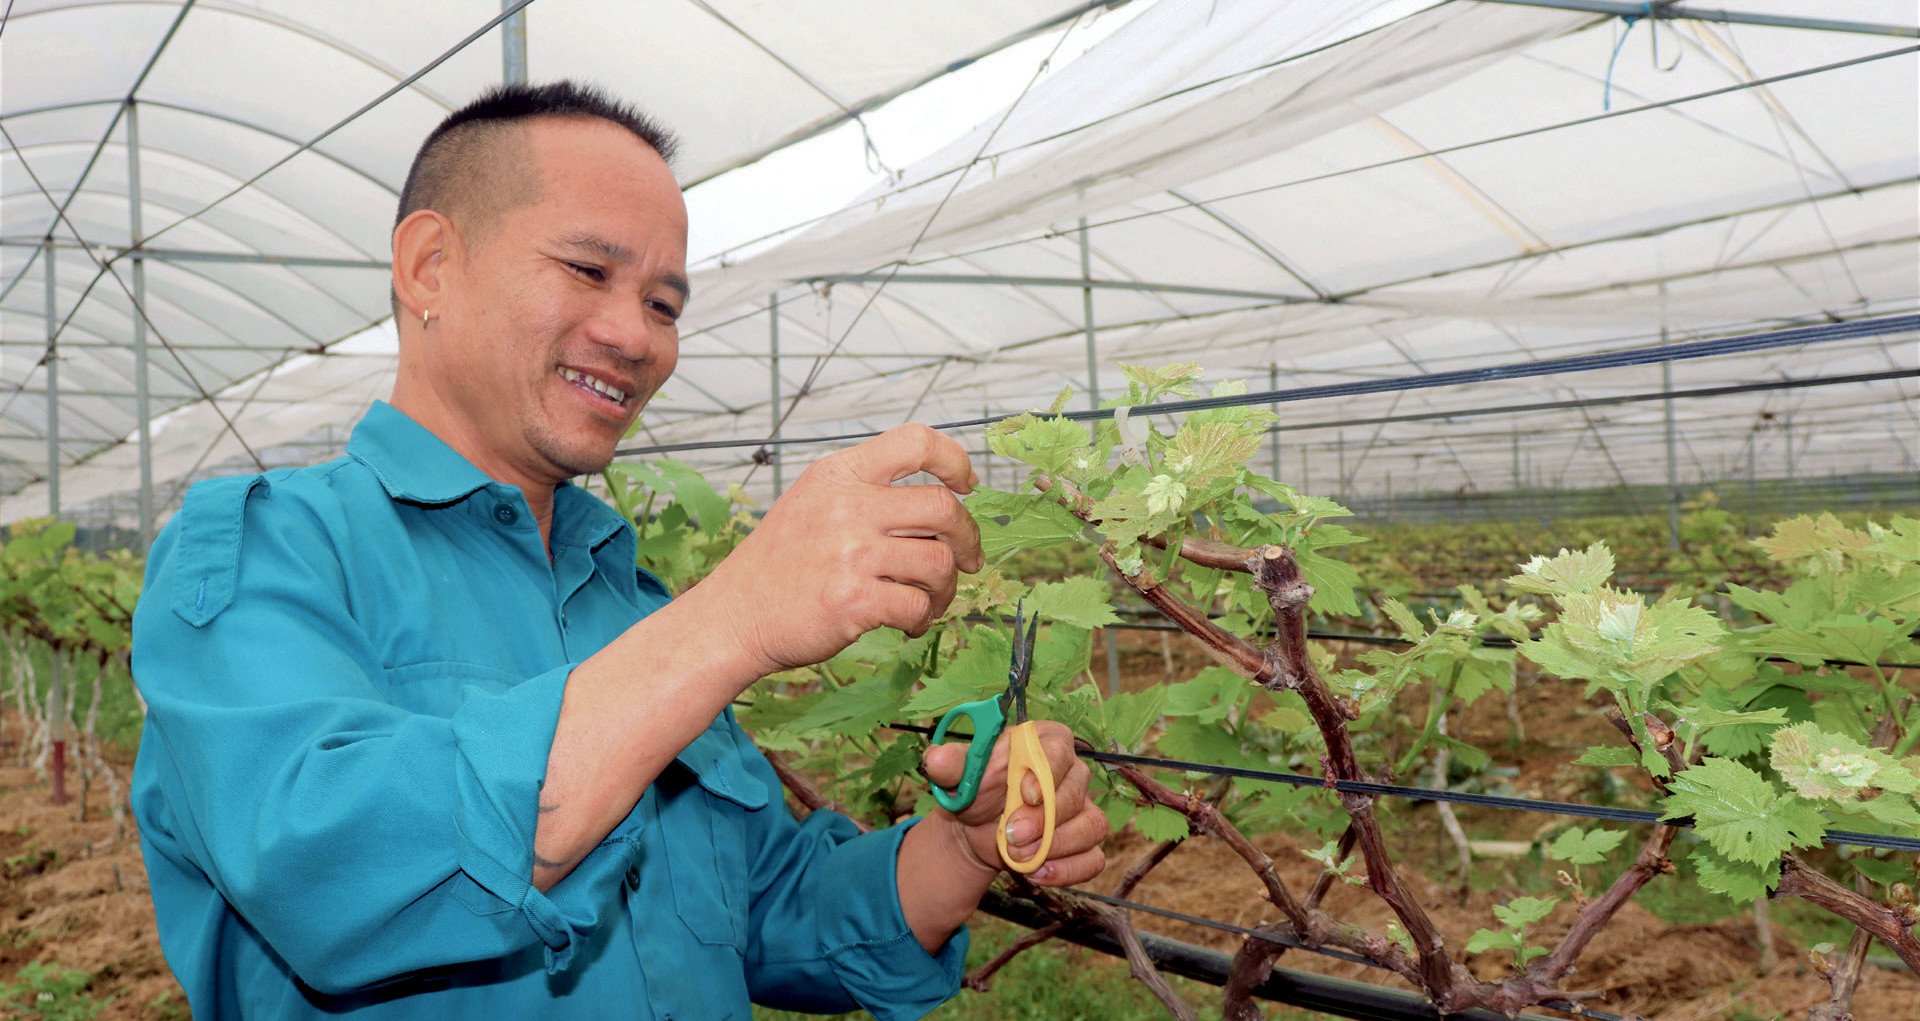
<point x="1743" y="815"/>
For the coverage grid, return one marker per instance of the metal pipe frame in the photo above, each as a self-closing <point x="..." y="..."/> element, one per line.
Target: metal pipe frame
<point x="53" y="388"/>
<point x="513" y="45"/>
<point x="977" y="279"/>
<point x="188" y="255"/>
<point x="142" y="405"/>
<point x="1689" y="12"/>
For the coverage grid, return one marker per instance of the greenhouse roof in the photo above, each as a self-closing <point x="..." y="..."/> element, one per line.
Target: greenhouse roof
<point x="1292" y="193"/>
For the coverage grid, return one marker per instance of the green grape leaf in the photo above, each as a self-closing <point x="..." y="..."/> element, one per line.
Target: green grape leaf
<point x="1741" y="813"/>
<point x="1159" y="823"/>
<point x="1060" y="655"/>
<point x="1209" y="697"/>
<point x="1038" y="525"/>
<point x="863" y="697"/>
<point x="1192" y="741"/>
<point x="1743" y="882"/>
<point x="1052" y="445"/>
<point x="1482" y="671"/>
<point x="1119" y="810"/>
<point x="1608" y="756"/>
<point x="1882" y="871"/>
<point x="896" y="760"/>
<point x="1333" y="583"/>
<point x="1820" y="764"/>
<point x="1566" y="573"/>
<point x="1080" y="600"/>
<point x="1205" y="451"/>
<point x="1521" y="912"/>
<point x="1129" y="715"/>
<point x="1077" y="708"/>
<point x="708" y="509"/>
<point x="1484" y="940"/>
<point x="1467" y="755"/>
<point x="1403" y="618"/>
<point x="1585" y="847"/>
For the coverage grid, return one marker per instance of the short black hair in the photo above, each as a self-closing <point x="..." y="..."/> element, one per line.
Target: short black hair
<point x="460" y="164"/>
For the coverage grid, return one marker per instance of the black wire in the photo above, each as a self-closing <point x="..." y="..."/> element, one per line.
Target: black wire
<point x="1625" y="358"/>
<point x="1847" y="838"/>
<point x="1215" y="923"/>
<point x="1288" y="941"/>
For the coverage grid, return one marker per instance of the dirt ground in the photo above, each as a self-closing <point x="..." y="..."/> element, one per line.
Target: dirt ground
<point x="70" y="893"/>
<point x="73" y="894"/>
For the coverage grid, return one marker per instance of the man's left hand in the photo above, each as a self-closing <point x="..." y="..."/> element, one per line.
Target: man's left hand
<point x="1079" y="825"/>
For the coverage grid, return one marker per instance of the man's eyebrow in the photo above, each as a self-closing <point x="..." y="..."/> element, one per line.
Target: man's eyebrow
<point x="599" y="246"/>
<point x="676" y="282"/>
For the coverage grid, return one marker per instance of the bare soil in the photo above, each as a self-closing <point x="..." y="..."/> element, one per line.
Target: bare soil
<point x="73" y="894"/>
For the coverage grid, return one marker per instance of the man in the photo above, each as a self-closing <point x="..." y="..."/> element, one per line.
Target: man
<point x="420" y="745"/>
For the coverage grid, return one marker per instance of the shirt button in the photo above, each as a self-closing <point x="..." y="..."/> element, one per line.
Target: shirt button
<point x="633" y="877"/>
<point x="505" y="514"/>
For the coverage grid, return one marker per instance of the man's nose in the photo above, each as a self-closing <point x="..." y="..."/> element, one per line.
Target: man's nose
<point x="630" y="329"/>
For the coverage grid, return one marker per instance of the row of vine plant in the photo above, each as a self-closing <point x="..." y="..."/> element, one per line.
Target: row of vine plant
<point x="1759" y="717"/>
<point x="1756" y="717"/>
<point x="71" y="612"/>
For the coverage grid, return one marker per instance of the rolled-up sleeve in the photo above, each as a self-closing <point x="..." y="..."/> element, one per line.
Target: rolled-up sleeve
<point x="827" y="932"/>
<point x="361" y="841"/>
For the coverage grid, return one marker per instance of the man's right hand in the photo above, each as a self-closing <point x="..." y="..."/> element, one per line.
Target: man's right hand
<point x="845" y="551"/>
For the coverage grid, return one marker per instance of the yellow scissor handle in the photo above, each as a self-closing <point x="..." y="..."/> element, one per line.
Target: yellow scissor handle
<point x="1024" y="756"/>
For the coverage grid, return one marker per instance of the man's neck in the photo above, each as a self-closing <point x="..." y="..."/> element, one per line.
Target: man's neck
<point x="456" y="431"/>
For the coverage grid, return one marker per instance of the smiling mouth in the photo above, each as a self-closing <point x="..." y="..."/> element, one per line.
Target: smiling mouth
<point x="595" y="385"/>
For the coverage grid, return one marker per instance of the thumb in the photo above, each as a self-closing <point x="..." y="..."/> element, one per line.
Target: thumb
<point x="945" y="763"/>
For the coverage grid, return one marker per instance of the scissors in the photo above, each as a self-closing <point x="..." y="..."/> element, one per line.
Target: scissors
<point x="1024" y="754"/>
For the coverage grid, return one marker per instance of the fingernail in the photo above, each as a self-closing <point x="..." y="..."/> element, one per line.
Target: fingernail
<point x="1020" y="832"/>
<point x="1045" y="872"/>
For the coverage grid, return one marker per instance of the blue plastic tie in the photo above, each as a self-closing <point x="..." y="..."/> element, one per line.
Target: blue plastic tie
<point x="1606" y="94"/>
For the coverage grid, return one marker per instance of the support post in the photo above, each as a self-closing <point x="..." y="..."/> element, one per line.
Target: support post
<point x="1516" y="461"/>
<point x="1273" y="435"/>
<point x="1753" y="478"/>
<point x="1093" y="404"/>
<point x="773" y="375"/>
<point x="1086" y="317"/>
<point x="1340" y="449"/>
<point x="136" y="235"/>
<point x="56" y="694"/>
<point x="1673" y="466"/>
<point x="513" y="46"/>
<point x="53" y="382"/>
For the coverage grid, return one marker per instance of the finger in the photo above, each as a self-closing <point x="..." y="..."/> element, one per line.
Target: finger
<point x="1058" y="742"/>
<point x="1072" y="836"/>
<point x="899" y="452"/>
<point x="945" y="764"/>
<point x="1030" y="788"/>
<point x="922" y="563"/>
<point x="1070" y="797"/>
<point x="1070" y="871"/>
<point x="932" y="512"/>
<point x="897" y="606"/>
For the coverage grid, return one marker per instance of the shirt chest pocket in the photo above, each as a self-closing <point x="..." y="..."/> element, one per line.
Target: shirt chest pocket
<point x="705" y="825"/>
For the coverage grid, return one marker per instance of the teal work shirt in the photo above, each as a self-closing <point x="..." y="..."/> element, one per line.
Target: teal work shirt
<point x="352" y="674"/>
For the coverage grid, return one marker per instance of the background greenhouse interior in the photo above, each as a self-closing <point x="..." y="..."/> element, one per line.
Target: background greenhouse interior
<point x="1295" y="194"/>
<point x="1510" y="263"/>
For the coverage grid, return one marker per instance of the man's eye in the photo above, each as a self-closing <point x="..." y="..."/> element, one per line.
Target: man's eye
<point x="672" y="314"/>
<point x="592" y="273"/>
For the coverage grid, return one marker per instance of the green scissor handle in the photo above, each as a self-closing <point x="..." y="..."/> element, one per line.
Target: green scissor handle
<point x="988" y="718"/>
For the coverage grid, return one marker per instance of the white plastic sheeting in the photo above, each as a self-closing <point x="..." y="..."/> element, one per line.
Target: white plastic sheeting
<point x="1297" y="191"/>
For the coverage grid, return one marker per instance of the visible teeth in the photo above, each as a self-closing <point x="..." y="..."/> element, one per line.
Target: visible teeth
<point x="612" y="393"/>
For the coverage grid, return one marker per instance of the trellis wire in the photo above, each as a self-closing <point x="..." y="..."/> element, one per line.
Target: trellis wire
<point x="1571" y="809"/>
<point x="1294" y="944"/>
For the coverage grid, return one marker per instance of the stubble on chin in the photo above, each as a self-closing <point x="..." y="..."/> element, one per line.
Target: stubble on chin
<point x="576" y="458"/>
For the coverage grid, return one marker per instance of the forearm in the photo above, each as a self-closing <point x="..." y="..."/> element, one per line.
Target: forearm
<point x="627" y="711"/>
<point x="941" y="880"/>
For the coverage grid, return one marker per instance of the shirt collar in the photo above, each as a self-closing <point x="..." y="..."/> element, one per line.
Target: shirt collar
<point x="412" y="463"/>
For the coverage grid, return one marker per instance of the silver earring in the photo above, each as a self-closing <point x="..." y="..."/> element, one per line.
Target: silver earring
<point x="426" y="316"/>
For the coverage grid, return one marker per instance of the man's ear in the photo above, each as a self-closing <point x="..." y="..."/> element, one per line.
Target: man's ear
<point x="419" y="244"/>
